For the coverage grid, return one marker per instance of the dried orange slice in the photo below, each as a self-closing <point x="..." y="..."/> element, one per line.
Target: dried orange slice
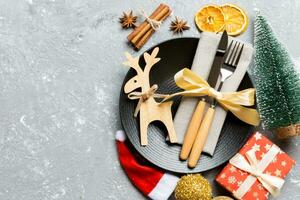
<point x="236" y="20"/>
<point x="210" y="18"/>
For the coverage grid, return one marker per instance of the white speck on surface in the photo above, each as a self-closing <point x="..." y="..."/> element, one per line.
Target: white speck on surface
<point x="38" y="171"/>
<point x="89" y="149"/>
<point x="80" y="120"/>
<point x="296" y="182"/>
<point x="29" y="1"/>
<point x="23" y="122"/>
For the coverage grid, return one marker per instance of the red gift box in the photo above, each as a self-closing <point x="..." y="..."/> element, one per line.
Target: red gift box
<point x="257" y="170"/>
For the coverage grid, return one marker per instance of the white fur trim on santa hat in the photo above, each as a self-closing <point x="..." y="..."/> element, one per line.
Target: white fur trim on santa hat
<point x="120" y="136"/>
<point x="164" y="187"/>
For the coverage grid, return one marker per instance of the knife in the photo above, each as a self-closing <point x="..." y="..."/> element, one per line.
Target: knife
<point x="212" y="80"/>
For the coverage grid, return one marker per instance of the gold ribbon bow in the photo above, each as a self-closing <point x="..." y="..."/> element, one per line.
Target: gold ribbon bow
<point x="144" y="96"/>
<point x="232" y="101"/>
<point x="256" y="169"/>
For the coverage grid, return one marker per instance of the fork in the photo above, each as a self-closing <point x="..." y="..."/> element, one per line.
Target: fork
<point x="231" y="61"/>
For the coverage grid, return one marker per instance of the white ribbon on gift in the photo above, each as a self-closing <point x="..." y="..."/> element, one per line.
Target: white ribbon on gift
<point x="256" y="169"/>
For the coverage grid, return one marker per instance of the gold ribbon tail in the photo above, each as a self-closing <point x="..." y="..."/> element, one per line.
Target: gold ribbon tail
<point x="248" y="115"/>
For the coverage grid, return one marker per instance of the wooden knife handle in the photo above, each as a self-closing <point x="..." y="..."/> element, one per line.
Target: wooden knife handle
<point x="192" y="130"/>
<point x="201" y="138"/>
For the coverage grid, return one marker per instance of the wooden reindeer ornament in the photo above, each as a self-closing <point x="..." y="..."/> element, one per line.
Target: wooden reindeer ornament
<point x="149" y="109"/>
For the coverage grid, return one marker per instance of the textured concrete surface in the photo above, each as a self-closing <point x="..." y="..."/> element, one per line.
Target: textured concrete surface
<point x="60" y="77"/>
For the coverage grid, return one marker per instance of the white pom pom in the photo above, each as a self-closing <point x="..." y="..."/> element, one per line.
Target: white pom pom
<point x="120" y="136"/>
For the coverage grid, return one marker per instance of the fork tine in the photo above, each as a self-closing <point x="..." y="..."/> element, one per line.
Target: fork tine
<point x="239" y="56"/>
<point x="235" y="54"/>
<point x="231" y="54"/>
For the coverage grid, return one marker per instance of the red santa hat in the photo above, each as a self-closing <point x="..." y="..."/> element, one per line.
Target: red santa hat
<point x="151" y="181"/>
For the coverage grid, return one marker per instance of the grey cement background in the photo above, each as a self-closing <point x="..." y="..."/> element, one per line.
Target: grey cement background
<point x="60" y="77"/>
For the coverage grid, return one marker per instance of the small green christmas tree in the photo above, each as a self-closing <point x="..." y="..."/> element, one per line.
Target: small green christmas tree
<point x="277" y="82"/>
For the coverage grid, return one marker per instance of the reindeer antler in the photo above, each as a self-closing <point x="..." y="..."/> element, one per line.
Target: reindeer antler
<point x="132" y="62"/>
<point x="151" y="60"/>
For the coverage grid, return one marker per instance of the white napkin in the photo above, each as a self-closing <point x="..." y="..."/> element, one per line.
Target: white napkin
<point x="202" y="62"/>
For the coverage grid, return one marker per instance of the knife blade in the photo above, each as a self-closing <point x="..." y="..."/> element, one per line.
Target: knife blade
<point x="218" y="61"/>
<point x="212" y="80"/>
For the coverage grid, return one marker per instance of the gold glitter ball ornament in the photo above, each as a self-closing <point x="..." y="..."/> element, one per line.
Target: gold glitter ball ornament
<point x="193" y="187"/>
<point x="222" y="198"/>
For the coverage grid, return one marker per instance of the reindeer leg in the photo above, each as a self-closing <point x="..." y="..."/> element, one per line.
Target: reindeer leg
<point x="168" y="121"/>
<point x="171" y="130"/>
<point x="143" y="128"/>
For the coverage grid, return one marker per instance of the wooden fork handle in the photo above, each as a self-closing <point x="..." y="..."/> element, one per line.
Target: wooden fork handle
<point x="201" y="138"/>
<point x="192" y="130"/>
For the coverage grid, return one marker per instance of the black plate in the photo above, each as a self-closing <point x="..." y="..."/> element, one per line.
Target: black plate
<point x="176" y="54"/>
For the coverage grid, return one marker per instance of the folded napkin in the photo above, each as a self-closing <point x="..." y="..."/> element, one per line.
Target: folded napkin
<point x="202" y="62"/>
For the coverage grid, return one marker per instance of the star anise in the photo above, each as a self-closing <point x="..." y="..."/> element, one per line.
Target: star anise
<point x="128" y="20"/>
<point x="179" y="25"/>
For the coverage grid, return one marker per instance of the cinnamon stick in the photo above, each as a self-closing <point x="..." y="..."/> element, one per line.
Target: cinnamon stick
<point x="140" y="27"/>
<point x="159" y="17"/>
<point x="148" y="34"/>
<point x="144" y="39"/>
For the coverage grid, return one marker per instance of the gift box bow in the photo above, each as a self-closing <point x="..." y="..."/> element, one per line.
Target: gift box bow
<point x="232" y="101"/>
<point x="250" y="164"/>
